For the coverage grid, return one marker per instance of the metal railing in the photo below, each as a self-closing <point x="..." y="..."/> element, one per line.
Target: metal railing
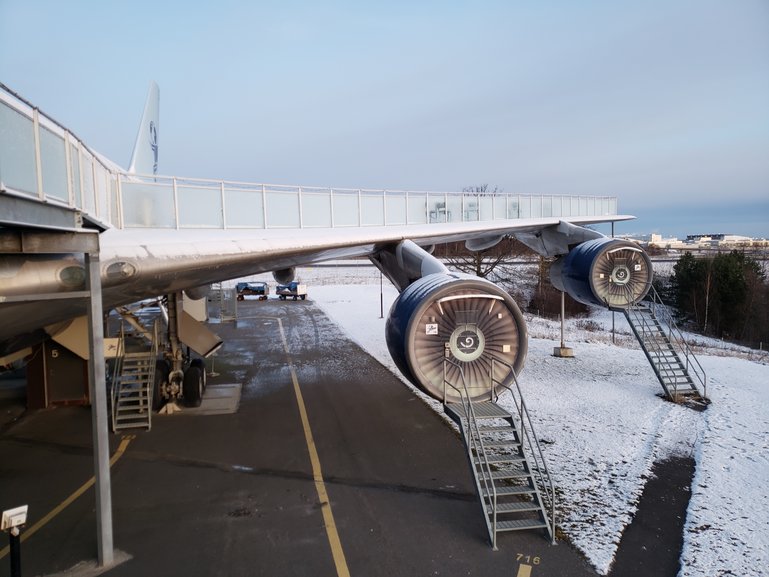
<point x="544" y="483"/>
<point x="117" y="369"/>
<point x="676" y="339"/>
<point x="475" y="443"/>
<point x="42" y="160"/>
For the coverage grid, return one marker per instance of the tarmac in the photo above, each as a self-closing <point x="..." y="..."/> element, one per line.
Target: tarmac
<point x="329" y="465"/>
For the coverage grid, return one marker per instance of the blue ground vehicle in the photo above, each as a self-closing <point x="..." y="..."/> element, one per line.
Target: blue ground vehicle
<point x="260" y="289"/>
<point x="293" y="289"/>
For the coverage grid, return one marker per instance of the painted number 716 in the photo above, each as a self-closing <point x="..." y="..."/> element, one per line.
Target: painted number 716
<point x="521" y="558"/>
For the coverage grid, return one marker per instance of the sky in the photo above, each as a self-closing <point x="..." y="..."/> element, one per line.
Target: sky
<point x="663" y="104"/>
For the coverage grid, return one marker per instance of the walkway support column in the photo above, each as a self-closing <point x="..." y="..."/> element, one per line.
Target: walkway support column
<point x="99" y="422"/>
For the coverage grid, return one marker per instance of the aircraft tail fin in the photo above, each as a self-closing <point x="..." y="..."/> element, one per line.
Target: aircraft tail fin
<point x="144" y="159"/>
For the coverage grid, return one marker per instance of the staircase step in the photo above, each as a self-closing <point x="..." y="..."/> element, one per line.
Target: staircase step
<point x="501" y="444"/>
<point x="130" y="404"/>
<point x="520" y="524"/>
<point x="496" y="428"/>
<point x="514" y="507"/>
<point x="507" y="490"/>
<point x="510" y="474"/>
<point x="484" y="410"/>
<point x="679" y="383"/>
<point x="130" y="418"/>
<point x="668" y="361"/>
<point x="509" y="458"/>
<point x="120" y="427"/>
<point x="672" y="378"/>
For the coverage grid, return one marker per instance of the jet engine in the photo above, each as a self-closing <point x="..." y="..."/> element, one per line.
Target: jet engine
<point x="460" y="324"/>
<point x="198" y="292"/>
<point x="606" y="272"/>
<point x="284" y="276"/>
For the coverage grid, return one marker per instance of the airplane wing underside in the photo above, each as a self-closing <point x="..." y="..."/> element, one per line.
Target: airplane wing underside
<point x="144" y="263"/>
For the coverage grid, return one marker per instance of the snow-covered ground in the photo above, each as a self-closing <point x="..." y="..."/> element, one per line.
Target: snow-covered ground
<point x="606" y="426"/>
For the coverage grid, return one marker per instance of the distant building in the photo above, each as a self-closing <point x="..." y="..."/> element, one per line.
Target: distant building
<point x="718" y="241"/>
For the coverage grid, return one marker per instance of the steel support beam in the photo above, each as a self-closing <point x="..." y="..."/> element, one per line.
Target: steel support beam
<point x="36" y="241"/>
<point x="99" y="421"/>
<point x="22" y="211"/>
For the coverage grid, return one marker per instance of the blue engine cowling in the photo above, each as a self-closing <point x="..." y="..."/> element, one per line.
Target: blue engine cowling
<point x="446" y="328"/>
<point x="605" y="272"/>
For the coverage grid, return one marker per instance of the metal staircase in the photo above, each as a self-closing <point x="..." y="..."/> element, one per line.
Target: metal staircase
<point x="511" y="478"/>
<point x="132" y="384"/>
<point x="679" y="372"/>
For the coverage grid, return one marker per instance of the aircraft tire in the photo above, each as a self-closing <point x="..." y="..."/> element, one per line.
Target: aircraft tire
<point x="162" y="371"/>
<point x="192" y="386"/>
<point x="201" y="364"/>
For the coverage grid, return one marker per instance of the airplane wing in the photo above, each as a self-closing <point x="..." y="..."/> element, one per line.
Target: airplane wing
<point x="164" y="235"/>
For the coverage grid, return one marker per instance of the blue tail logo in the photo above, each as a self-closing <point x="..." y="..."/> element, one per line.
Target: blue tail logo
<point x="154" y="146"/>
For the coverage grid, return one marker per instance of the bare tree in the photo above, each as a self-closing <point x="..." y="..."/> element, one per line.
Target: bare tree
<point x="485" y="262"/>
<point x="482" y="263"/>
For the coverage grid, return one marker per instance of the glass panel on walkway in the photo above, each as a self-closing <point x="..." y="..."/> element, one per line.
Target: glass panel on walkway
<point x="316" y="209"/>
<point x="244" y="208"/>
<point x="53" y="159"/>
<point x="346" y="208"/>
<point x="17" y="151"/>
<point x="199" y="206"/>
<point x="148" y="205"/>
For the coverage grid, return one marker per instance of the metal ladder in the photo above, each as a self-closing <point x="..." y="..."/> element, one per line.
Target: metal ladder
<point x="511" y="478"/>
<point x="679" y="372"/>
<point x="132" y="387"/>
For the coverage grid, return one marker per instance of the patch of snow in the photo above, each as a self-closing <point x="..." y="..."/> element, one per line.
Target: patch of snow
<point x="606" y="426"/>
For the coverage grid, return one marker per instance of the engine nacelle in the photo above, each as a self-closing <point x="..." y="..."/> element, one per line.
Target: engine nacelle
<point x="198" y="292"/>
<point x="463" y="319"/>
<point x="605" y="272"/>
<point x="284" y="276"/>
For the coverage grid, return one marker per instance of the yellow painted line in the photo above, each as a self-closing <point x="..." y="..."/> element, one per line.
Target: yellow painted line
<point x="524" y="570"/>
<point x="69" y="500"/>
<point x="325" y="505"/>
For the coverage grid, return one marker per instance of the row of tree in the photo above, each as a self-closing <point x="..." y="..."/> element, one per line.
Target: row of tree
<point x="726" y="295"/>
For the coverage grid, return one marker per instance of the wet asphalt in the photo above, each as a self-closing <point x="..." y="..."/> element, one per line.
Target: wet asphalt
<point x="235" y="494"/>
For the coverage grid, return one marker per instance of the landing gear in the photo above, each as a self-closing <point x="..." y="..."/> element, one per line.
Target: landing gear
<point x="178" y="379"/>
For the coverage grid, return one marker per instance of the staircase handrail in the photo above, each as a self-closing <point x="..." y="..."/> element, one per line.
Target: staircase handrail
<point x="117" y="369"/>
<point x="475" y="439"/>
<point x="675" y="335"/>
<point x="527" y="430"/>
<point x="152" y="359"/>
